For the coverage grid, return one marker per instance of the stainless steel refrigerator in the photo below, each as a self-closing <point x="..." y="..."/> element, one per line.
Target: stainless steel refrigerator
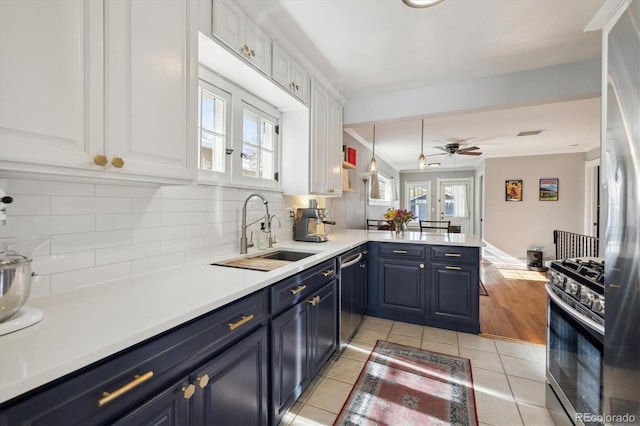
<point x="621" y="164"/>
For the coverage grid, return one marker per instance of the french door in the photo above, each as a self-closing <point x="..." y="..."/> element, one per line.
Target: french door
<point x="455" y="202"/>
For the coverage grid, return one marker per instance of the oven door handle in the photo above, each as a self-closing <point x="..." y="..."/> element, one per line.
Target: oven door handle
<point x="572" y="313"/>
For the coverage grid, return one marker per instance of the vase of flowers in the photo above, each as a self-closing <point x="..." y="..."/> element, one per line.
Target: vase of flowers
<point x="398" y="219"/>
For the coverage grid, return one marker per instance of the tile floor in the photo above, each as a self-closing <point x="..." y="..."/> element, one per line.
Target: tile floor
<point x="508" y="377"/>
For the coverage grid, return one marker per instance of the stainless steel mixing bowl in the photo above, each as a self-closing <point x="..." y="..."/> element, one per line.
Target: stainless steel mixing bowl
<point x="15" y="283"/>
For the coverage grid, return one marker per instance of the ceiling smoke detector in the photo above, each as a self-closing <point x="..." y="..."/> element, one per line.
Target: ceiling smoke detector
<point x="420" y="4"/>
<point x="530" y="133"/>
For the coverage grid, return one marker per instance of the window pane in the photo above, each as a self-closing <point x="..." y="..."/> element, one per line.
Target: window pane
<point x="213" y="113"/>
<point x="249" y="160"/>
<point x="212" y="152"/>
<point x="267" y="135"/>
<point x="266" y="165"/>
<point x="207" y="111"/>
<point x="418" y="200"/>
<point x="250" y="128"/>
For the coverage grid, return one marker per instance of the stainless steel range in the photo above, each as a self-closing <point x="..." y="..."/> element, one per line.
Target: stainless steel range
<point x="575" y="336"/>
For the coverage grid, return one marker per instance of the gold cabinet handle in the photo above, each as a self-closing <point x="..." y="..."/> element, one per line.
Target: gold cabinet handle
<point x="453" y="254"/>
<point x="455" y="268"/>
<point x="318" y="299"/>
<point x="100" y="160"/>
<point x="244" y="320"/>
<point x="313" y="302"/>
<point x="252" y="53"/>
<point x="422" y="266"/>
<point x="400" y="251"/>
<point x="117" y="162"/>
<point x="298" y="289"/>
<point x="188" y="391"/>
<point x="297" y="87"/>
<point x="137" y="380"/>
<point x="327" y="272"/>
<point x="245" y="49"/>
<point x="203" y="380"/>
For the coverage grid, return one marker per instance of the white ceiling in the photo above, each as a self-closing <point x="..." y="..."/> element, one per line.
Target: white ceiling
<point x="368" y="47"/>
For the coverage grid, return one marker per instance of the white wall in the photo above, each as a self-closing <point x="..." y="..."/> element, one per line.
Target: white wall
<point x="348" y="210"/>
<point x="101" y="232"/>
<point x="515" y="227"/>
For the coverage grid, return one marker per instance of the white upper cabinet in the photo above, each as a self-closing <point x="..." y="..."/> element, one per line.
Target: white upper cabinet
<point x="99" y="87"/>
<point x="232" y="26"/>
<point x="149" y="87"/>
<point x="290" y="74"/>
<point x="51" y="96"/>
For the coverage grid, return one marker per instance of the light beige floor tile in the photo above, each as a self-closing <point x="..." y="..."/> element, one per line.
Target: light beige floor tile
<point x="491" y="383"/>
<point x="443" y="348"/>
<point x="523" y="368"/>
<point x="327" y="366"/>
<point x="518" y="350"/>
<point x="311" y="416"/>
<point x="476" y="342"/>
<point x="528" y="391"/>
<point x="345" y="370"/>
<point x="309" y="390"/>
<point x="367" y="335"/>
<point x="497" y="411"/>
<point x="357" y="351"/>
<point x="406" y="329"/>
<point x="482" y="359"/>
<point x="439" y="335"/>
<point x="380" y="324"/>
<point x="288" y="417"/>
<point x="534" y="415"/>
<point x="330" y="395"/>
<point x="404" y="340"/>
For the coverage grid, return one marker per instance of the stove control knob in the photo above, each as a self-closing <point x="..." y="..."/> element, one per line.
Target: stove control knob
<point x="598" y="306"/>
<point x="573" y="288"/>
<point x="586" y="298"/>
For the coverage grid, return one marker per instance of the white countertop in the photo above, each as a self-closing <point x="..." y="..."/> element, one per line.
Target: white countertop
<point x="86" y="324"/>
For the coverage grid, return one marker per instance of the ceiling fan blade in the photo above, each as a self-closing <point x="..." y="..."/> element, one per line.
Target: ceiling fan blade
<point x="471" y="148"/>
<point x="435" y="155"/>
<point x="441" y="148"/>
<point x="469" y="153"/>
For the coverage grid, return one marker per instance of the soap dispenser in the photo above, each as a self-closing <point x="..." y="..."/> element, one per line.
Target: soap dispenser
<point x="263" y="238"/>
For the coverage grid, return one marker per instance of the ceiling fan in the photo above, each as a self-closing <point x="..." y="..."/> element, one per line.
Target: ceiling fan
<point x="454" y="148"/>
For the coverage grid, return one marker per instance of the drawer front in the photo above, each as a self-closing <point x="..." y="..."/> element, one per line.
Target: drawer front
<point x="290" y="291"/>
<point x="103" y="391"/>
<point x="455" y="254"/>
<point x="398" y="251"/>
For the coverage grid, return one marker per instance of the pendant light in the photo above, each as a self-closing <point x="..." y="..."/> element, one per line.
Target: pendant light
<point x="372" y="163"/>
<point x="422" y="161"/>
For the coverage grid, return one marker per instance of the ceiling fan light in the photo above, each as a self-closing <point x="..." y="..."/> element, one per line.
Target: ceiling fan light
<point x="433" y="164"/>
<point x="419" y="4"/>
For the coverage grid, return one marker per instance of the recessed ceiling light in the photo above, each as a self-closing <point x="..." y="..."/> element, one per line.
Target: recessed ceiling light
<point x="573" y="145"/>
<point x="433" y="164"/>
<point x="421" y="3"/>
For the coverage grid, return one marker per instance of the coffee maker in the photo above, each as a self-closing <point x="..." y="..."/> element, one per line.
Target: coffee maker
<point x="310" y="223"/>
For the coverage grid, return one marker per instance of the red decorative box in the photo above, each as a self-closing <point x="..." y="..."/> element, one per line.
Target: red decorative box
<point x="351" y="155"/>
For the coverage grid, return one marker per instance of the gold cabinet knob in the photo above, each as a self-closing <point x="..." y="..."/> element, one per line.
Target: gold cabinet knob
<point x="245" y="49"/>
<point x="422" y="266"/>
<point x="188" y="391"/>
<point x="117" y="162"/>
<point x="203" y="381"/>
<point x="252" y="53"/>
<point x="100" y="160"/>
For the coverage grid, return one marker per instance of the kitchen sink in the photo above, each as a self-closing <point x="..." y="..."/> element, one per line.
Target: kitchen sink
<point x="265" y="262"/>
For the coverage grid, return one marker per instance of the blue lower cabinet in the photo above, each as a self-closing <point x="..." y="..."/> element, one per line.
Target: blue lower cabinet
<point x="324" y="325"/>
<point x="454" y="298"/>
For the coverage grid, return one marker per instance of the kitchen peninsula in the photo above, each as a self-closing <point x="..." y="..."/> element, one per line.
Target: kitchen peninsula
<point x="88" y="325"/>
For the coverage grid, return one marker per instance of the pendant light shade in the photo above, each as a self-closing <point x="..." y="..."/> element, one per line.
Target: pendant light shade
<point x="372" y="163"/>
<point x="422" y="161"/>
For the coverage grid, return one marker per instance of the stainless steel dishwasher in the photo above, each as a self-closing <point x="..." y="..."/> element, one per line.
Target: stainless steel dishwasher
<point x="353" y="292"/>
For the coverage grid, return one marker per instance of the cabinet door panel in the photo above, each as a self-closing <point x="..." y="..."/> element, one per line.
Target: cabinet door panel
<point x="319" y="137"/>
<point x="401" y="287"/>
<point x="148" y="85"/>
<point x="281" y="66"/>
<point x="236" y="393"/>
<point x="334" y="149"/>
<point x="228" y="24"/>
<point x="260" y="46"/>
<point x="300" y="78"/>
<point x="325" y="327"/>
<point x="51" y="81"/>
<point x="169" y="408"/>
<point x="291" y="357"/>
<point x="454" y="294"/>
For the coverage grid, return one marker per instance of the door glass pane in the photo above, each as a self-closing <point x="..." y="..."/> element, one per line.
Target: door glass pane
<point x="456" y="200"/>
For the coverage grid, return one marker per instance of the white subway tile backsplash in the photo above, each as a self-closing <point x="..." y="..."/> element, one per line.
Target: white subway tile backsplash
<point x="90" y="205"/>
<point x="89" y="240"/>
<point x="110" y="222"/>
<point x="159" y="262"/>
<point x="123" y="253"/>
<point x="55" y="263"/>
<point x="101" y="232"/>
<point x="87" y="276"/>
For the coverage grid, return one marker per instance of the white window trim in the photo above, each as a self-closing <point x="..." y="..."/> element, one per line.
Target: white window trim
<point x="382" y="201"/>
<point x="239" y="97"/>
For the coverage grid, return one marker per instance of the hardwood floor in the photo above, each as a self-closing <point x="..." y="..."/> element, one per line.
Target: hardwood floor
<point x="516" y="307"/>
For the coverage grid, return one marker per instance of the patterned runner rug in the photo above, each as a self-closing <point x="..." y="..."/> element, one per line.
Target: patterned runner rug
<point x="401" y="385"/>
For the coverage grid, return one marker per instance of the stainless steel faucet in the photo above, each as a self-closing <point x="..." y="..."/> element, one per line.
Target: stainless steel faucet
<point x="244" y="244"/>
<point x="272" y="238"/>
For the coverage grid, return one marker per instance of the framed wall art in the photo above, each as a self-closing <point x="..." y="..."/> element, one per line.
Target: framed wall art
<point x="513" y="190"/>
<point x="548" y="189"/>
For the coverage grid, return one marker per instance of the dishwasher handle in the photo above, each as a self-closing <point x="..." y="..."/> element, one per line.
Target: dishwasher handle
<point x="350" y="262"/>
